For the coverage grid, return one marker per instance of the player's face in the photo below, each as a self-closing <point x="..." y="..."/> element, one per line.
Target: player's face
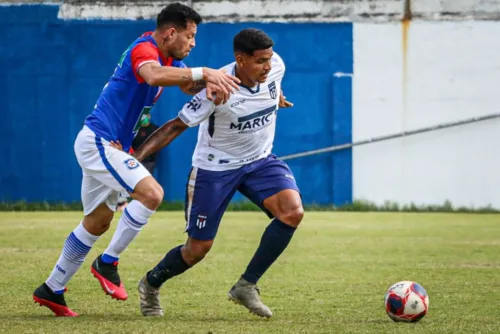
<point x="182" y="41"/>
<point x="258" y="66"/>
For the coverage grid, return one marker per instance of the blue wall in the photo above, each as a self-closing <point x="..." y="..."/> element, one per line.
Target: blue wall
<point x="52" y="72"/>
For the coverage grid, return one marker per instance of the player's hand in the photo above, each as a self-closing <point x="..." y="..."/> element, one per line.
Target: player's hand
<point x="116" y="144"/>
<point x="226" y="82"/>
<point x="283" y="102"/>
<point x="216" y="95"/>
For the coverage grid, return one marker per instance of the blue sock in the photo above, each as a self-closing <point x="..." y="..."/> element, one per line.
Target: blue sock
<point x="108" y="258"/>
<point x="173" y="264"/>
<point x="274" y="241"/>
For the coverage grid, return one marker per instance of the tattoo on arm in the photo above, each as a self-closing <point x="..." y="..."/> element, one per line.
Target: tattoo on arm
<point x="160" y="138"/>
<point x="197" y="87"/>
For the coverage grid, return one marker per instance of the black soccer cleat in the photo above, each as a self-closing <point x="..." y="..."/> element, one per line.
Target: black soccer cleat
<point x="44" y="296"/>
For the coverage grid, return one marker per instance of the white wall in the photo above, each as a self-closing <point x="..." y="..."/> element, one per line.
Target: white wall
<point x="286" y="10"/>
<point x="452" y="73"/>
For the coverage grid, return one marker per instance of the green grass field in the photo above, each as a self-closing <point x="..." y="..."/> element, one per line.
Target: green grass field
<point x="331" y="279"/>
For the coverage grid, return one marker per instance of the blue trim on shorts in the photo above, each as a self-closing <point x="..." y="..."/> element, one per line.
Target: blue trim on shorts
<point x="100" y="147"/>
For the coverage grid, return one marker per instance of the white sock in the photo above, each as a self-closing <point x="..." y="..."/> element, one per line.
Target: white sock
<point x="133" y="219"/>
<point x="76" y="247"/>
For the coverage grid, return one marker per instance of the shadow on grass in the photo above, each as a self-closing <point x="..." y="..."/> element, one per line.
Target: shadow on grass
<point x="173" y="318"/>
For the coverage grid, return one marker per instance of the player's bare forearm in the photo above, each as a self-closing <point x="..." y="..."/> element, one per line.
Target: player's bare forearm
<point x="160" y="138"/>
<point x="156" y="75"/>
<point x="194" y="87"/>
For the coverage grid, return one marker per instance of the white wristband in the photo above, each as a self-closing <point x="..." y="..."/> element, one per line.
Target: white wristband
<point x="197" y="73"/>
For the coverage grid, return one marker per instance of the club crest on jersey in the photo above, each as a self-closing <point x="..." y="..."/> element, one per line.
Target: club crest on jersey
<point x="272" y="89"/>
<point x="201" y="221"/>
<point x="131" y="163"/>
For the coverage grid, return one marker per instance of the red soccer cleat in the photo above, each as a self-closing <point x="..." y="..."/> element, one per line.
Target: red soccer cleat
<point x="44" y="296"/>
<point x="107" y="275"/>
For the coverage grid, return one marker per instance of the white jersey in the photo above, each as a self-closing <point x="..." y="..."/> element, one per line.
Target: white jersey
<point x="239" y="131"/>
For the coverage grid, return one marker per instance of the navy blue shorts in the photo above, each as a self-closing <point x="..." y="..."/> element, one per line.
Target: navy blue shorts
<point x="208" y="193"/>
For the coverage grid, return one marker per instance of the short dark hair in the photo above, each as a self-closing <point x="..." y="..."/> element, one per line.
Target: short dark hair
<point x="250" y="39"/>
<point x="178" y="15"/>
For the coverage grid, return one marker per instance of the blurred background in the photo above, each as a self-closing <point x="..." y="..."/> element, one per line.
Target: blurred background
<point x="423" y="75"/>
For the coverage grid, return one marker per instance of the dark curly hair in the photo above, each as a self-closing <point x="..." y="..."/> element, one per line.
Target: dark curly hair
<point x="178" y="15"/>
<point x="249" y="40"/>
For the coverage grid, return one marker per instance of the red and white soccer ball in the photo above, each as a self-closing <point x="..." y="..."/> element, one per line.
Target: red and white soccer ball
<point x="406" y="301"/>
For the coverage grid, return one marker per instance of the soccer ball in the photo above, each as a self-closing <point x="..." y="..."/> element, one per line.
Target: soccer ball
<point x="406" y="301"/>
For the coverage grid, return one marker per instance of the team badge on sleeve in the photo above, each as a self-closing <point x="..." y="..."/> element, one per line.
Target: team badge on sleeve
<point x="131" y="163"/>
<point x="195" y="103"/>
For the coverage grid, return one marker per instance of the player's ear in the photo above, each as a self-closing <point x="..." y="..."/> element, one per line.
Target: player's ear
<point x="169" y="34"/>
<point x="240" y="59"/>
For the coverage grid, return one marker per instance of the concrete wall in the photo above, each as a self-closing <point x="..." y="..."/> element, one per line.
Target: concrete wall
<point x="294" y="10"/>
<point x="447" y="72"/>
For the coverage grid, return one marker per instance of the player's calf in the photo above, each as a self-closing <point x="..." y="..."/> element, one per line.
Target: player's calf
<point x="147" y="195"/>
<point x="286" y="206"/>
<point x="178" y="260"/>
<point x="274" y="241"/>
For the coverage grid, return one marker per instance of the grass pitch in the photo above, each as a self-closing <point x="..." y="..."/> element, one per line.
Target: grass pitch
<point x="331" y="279"/>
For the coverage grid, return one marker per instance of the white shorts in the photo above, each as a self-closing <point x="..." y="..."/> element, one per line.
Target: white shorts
<point x="107" y="172"/>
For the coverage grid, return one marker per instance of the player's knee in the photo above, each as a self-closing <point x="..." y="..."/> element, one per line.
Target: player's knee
<point x="103" y="226"/>
<point x="98" y="222"/>
<point x="293" y="216"/>
<point x="153" y="197"/>
<point x="195" y="251"/>
<point x="149" y="192"/>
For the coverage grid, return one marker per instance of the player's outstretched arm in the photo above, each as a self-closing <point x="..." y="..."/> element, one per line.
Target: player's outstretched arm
<point x="214" y="93"/>
<point x="160" y="138"/>
<point x="156" y="75"/>
<point x="194" y="87"/>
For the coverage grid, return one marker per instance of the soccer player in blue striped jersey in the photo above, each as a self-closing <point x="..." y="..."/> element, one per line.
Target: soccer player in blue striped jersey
<point x="151" y="62"/>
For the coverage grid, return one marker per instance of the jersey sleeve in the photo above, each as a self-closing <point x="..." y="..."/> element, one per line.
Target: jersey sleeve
<point x="143" y="53"/>
<point x="197" y="110"/>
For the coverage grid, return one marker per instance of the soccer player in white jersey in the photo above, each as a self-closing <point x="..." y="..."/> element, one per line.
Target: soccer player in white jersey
<point x="233" y="153"/>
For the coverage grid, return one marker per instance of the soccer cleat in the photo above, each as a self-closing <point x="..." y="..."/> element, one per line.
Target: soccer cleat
<point x="150" y="299"/>
<point x="248" y="295"/>
<point x="107" y="275"/>
<point x="44" y="296"/>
